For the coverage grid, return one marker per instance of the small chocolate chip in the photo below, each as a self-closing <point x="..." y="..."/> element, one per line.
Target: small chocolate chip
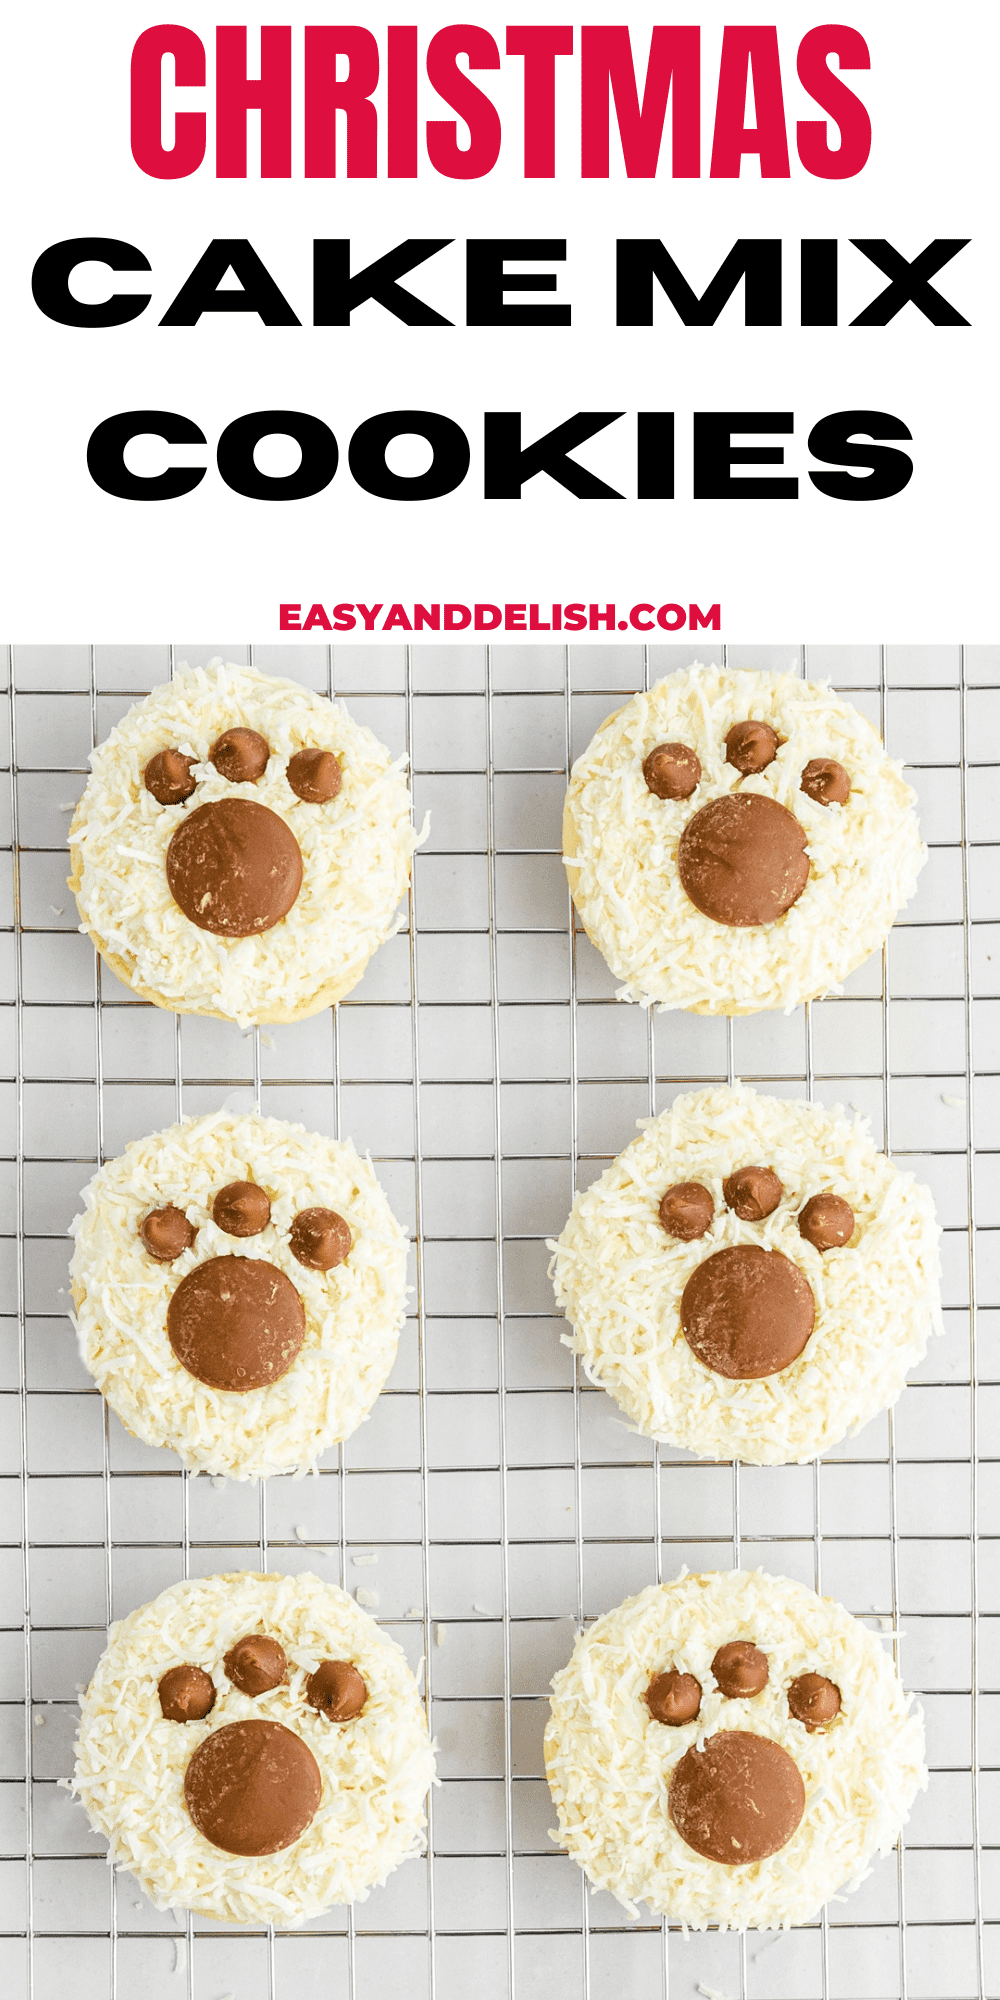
<point x="751" y="746"/>
<point x="168" y="777"/>
<point x="740" y="1668"/>
<point x="241" y="756"/>
<point x="256" y="1663"/>
<point x="187" y="1694"/>
<point x="319" y="1238"/>
<point x="241" y="1209"/>
<point x="827" y="1222"/>
<point x="337" y="1690"/>
<point x="752" y="1192"/>
<point x="686" y="1210"/>
<point x="814" y="1700"/>
<point x="673" y="1697"/>
<point x="315" y="776"/>
<point x="166" y="1233"/>
<point x="671" y="771"/>
<point x="826" y="781"/>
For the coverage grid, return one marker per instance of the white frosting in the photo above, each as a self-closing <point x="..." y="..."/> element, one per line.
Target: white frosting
<point x="621" y="845"/>
<point x="609" y="1764"/>
<point x="376" y="1770"/>
<point x="355" y="850"/>
<point x="353" y="1313"/>
<point x="619" y="1277"/>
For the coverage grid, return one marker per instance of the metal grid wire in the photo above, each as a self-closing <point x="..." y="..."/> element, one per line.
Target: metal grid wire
<point x="494" y="1501"/>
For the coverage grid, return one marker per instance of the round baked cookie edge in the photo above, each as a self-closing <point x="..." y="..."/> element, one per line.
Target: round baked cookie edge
<point x="354" y="1312"/>
<point x="844" y="1375"/>
<point x="289" y="1887"/>
<point x="610" y="1783"/>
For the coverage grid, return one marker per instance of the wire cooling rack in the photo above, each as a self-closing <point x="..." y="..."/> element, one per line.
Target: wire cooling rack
<point x="494" y="1502"/>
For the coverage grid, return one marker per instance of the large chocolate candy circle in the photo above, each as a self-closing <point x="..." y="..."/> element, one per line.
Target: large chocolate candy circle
<point x="742" y="859"/>
<point x="234" y="867"/>
<point x="737" y="1800"/>
<point x="746" y="1312"/>
<point x="252" y="1787"/>
<point x="236" y="1323"/>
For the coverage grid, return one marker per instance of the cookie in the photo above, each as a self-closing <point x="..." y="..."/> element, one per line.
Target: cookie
<point x="241" y="847"/>
<point x="737" y="841"/>
<point x="730" y="1750"/>
<point x="254" y="1749"/>
<point x="239" y="1286"/>
<point x="750" y="1279"/>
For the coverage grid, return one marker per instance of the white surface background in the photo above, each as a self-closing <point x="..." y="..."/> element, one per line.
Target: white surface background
<point x="920" y="565"/>
<point x="484" y="1062"/>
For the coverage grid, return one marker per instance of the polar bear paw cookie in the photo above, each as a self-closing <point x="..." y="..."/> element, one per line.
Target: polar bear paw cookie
<point x="239" y="1286"/>
<point x="750" y="1279"/>
<point x="737" y="841"/>
<point x="241" y="847"/>
<point x="730" y="1750"/>
<point x="254" y="1749"/>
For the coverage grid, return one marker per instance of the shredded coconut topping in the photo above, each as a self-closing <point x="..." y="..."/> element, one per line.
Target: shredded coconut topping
<point x="355" y="851"/>
<point x="619" y="1277"/>
<point x="376" y="1770"/>
<point x="620" y="845"/>
<point x="609" y="1764"/>
<point x="353" y="1313"/>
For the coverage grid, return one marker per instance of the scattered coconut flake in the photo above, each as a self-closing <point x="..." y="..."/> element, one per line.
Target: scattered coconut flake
<point x="180" y="1954"/>
<point x="609" y="1766"/>
<point x="368" y="1599"/>
<point x="620" y="845"/>
<point x="415" y="1611"/>
<point x="440" y="1634"/>
<point x="956" y="1103"/>
<point x="353" y="1314"/>
<point x="364" y="1558"/>
<point x="39" y="1719"/>
<point x="301" y="1534"/>
<point x="130" y="1765"/>
<point x="481" y="1608"/>
<point x="711" y="1992"/>
<point x="58" y="909"/>
<point x="619" y="1278"/>
<point x="356" y="854"/>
